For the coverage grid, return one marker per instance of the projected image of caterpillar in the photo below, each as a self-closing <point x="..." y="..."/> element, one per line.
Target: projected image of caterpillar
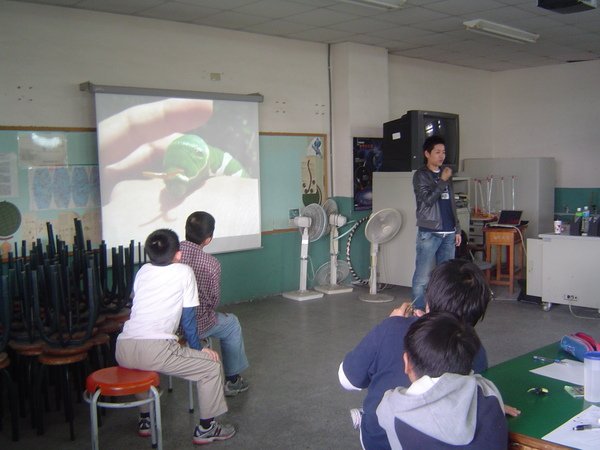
<point x="189" y="161"/>
<point x="161" y="158"/>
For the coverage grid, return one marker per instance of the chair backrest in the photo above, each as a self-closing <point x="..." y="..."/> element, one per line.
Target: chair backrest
<point x="71" y="313"/>
<point x="5" y="312"/>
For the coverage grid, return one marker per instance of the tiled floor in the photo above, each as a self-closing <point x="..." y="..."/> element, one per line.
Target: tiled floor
<point x="295" y="401"/>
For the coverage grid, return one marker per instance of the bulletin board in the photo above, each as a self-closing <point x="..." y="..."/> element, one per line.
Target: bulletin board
<point x="293" y="171"/>
<point x="50" y="174"/>
<point x="47" y="175"/>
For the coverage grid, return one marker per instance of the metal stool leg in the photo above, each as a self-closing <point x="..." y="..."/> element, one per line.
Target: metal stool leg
<point x="191" y="396"/>
<point x="94" y="419"/>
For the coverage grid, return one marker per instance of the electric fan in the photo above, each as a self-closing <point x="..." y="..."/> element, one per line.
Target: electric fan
<point x="381" y="228"/>
<point x="312" y="223"/>
<point x="323" y="274"/>
<point x="334" y="221"/>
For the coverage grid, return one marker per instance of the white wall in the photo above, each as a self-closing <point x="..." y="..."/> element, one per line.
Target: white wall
<point x="551" y="111"/>
<point x="360" y="82"/>
<point x="416" y="84"/>
<point x="46" y="52"/>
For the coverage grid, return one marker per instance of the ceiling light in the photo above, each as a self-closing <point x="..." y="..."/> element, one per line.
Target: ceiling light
<point x="378" y="4"/>
<point x="500" y="31"/>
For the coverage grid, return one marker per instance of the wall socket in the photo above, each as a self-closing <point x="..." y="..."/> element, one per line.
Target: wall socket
<point x="569" y="297"/>
<point x="291" y="214"/>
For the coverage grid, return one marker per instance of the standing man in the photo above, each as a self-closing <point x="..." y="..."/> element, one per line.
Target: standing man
<point x="439" y="229"/>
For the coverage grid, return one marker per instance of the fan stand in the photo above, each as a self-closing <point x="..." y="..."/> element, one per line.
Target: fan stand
<point x="373" y="296"/>
<point x="303" y="293"/>
<point x="333" y="287"/>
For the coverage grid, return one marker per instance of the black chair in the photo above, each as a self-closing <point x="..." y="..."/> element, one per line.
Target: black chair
<point x="6" y="380"/>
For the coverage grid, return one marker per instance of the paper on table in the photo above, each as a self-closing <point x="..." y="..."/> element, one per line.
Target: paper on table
<point x="584" y="440"/>
<point x="569" y="371"/>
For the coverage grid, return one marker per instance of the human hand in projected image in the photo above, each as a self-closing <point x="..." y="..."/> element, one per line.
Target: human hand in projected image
<point x="135" y="140"/>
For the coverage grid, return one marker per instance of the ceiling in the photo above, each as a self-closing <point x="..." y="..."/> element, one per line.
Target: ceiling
<point x="432" y="30"/>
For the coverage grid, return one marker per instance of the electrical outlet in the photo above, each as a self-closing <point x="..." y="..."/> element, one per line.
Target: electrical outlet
<point x="569" y="297"/>
<point x="292" y="213"/>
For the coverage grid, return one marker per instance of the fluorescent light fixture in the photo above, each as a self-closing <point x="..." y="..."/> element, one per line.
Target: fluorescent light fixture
<point x="378" y="4"/>
<point x="500" y="31"/>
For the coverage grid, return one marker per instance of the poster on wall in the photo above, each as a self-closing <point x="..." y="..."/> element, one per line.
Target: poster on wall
<point x="368" y="158"/>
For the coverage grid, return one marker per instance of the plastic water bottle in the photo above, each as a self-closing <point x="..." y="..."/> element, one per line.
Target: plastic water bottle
<point x="585" y="220"/>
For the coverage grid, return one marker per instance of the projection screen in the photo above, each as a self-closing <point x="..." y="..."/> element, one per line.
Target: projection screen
<point x="162" y="157"/>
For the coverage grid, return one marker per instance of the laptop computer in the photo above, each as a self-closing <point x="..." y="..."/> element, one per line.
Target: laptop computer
<point x="508" y="219"/>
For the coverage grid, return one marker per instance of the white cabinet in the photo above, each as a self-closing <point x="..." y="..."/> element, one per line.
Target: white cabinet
<point x="564" y="269"/>
<point x="397" y="257"/>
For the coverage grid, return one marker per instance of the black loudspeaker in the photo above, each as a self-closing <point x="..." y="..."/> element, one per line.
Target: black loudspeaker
<point x="396" y="147"/>
<point x="567" y="6"/>
<point x="575" y="228"/>
<point x="594" y="226"/>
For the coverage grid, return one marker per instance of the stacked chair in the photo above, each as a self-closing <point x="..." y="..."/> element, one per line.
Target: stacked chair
<point x="67" y="309"/>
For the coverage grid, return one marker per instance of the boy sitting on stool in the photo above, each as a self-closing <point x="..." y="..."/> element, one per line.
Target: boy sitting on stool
<point x="446" y="405"/>
<point x="165" y="292"/>
<point x="199" y="229"/>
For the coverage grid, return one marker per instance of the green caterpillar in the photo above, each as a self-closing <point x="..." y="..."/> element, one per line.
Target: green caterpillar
<point x="189" y="160"/>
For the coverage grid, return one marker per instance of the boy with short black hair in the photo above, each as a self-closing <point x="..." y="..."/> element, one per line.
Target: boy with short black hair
<point x="446" y="405"/>
<point x="165" y="292"/>
<point x="376" y="363"/>
<point x="199" y="229"/>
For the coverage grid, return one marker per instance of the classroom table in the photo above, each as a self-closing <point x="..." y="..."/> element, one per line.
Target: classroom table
<point x="509" y="239"/>
<point x="540" y="414"/>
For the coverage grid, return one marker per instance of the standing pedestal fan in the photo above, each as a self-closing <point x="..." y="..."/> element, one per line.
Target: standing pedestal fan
<point x="312" y="223"/>
<point x="334" y="220"/>
<point x="381" y="228"/>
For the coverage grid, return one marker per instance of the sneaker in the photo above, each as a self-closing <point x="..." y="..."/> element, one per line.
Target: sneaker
<point x="144" y="427"/>
<point x="216" y="432"/>
<point x="356" y="416"/>
<point x="233" y="389"/>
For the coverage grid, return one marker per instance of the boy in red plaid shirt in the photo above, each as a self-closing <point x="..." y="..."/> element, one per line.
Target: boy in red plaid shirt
<point x="199" y="229"/>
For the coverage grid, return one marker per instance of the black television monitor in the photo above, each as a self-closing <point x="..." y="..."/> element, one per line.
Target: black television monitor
<point x="403" y="139"/>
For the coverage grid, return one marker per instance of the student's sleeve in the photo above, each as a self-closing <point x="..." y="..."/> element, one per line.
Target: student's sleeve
<point x="359" y="364"/>
<point x="190" y="330"/>
<point x="188" y="314"/>
<point x="425" y="192"/>
<point x="480" y="362"/>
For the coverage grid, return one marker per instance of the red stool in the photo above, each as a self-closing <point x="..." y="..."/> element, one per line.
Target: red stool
<point x="119" y="381"/>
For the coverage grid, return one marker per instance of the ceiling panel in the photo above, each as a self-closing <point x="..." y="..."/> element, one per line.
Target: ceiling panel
<point x="432" y="30"/>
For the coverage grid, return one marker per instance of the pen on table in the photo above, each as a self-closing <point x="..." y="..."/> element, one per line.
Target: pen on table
<point x="548" y="360"/>
<point x="585" y="427"/>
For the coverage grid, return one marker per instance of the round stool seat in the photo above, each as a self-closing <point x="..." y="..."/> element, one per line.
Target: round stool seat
<point x="27" y="348"/>
<point x="4" y="360"/>
<point x="110" y="326"/>
<point x="118" y="381"/>
<point x="48" y="350"/>
<point x="61" y="360"/>
<point x="99" y="339"/>
<point x="120" y="316"/>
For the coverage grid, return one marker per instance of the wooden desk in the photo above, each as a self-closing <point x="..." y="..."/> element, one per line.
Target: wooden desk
<point x="508" y="238"/>
<point x="540" y="414"/>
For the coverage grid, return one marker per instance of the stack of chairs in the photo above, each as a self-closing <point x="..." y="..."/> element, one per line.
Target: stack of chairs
<point x="67" y="309"/>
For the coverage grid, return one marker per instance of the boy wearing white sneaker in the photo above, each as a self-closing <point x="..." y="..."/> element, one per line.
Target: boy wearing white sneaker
<point x="165" y="293"/>
<point x="199" y="229"/>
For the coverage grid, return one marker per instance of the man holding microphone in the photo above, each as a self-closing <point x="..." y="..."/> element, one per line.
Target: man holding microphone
<point x="438" y="227"/>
